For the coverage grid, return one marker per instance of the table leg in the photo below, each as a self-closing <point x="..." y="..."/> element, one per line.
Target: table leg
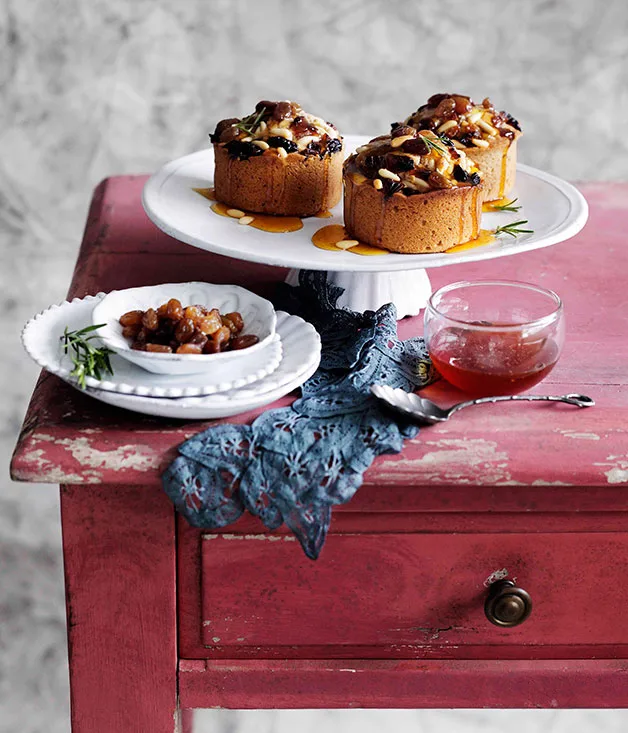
<point x="119" y="556"/>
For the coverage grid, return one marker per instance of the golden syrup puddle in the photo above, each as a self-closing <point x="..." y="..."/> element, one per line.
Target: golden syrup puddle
<point x="485" y="237"/>
<point x="323" y="215"/>
<point x="265" y="222"/>
<point x="329" y="236"/>
<point x="489" y="206"/>
<point x="207" y="193"/>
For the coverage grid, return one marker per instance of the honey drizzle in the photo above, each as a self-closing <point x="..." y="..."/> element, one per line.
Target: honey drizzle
<point x="485" y="237"/>
<point x="264" y="222"/>
<point x="489" y="206"/>
<point x="474" y="214"/>
<point x="502" y="176"/>
<point x="208" y="193"/>
<point x="327" y="238"/>
<point x="324" y="214"/>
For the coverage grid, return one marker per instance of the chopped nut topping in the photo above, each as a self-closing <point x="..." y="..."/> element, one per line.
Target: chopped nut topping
<point x="462" y="120"/>
<point x="278" y="126"/>
<point x="422" y="162"/>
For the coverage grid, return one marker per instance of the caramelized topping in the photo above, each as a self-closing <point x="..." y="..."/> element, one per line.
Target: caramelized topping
<point x="275" y="127"/>
<point x="463" y="121"/>
<point x="412" y="162"/>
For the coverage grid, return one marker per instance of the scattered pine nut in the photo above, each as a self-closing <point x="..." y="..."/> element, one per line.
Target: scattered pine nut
<point x="385" y="173"/>
<point x="244" y="220"/>
<point x="397" y="142"/>
<point x="282" y="153"/>
<point x="487" y="128"/>
<point x="377" y="183"/>
<point x="235" y="213"/>
<point x="262" y="144"/>
<point x="447" y="126"/>
<point x="347" y="243"/>
<point x="479" y="143"/>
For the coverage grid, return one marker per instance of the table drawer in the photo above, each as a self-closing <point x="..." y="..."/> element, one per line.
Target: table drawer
<point x="404" y="593"/>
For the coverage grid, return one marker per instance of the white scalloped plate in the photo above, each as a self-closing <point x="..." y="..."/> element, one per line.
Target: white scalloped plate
<point x="258" y="315"/>
<point x="301" y="357"/>
<point x="41" y="338"/>
<point x="555" y="209"/>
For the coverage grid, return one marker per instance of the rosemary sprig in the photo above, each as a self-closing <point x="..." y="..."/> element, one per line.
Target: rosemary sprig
<point x="88" y="360"/>
<point x="249" y="123"/>
<point x="513" y="229"/>
<point x="434" y="145"/>
<point x="508" y="206"/>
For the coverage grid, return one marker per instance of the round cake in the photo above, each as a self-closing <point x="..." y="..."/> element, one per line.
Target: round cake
<point x="278" y="160"/>
<point x="411" y="192"/>
<point x="487" y="136"/>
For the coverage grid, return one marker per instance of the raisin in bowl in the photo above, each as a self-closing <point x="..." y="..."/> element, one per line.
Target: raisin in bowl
<point x="257" y="319"/>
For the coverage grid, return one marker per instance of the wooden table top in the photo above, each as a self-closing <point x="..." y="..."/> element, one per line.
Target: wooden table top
<point x="543" y="451"/>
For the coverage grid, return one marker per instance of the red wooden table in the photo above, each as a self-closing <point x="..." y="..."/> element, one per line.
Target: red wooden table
<point x="163" y="618"/>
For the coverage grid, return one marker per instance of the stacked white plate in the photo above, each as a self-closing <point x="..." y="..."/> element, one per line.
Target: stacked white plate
<point x="287" y="355"/>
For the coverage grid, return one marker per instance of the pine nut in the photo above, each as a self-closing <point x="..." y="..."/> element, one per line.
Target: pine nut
<point x="262" y="127"/>
<point x="244" y="220"/>
<point x="397" y="142"/>
<point x="261" y="144"/>
<point x="385" y="173"/>
<point x="285" y="124"/>
<point x="442" y="165"/>
<point x="246" y="139"/>
<point x="458" y="144"/>
<point x="282" y="153"/>
<point x="447" y="126"/>
<point x="235" y="213"/>
<point x="475" y="116"/>
<point x="377" y="183"/>
<point x="479" y="143"/>
<point x="347" y="243"/>
<point x="420" y="184"/>
<point x="280" y="132"/>
<point x="486" y="127"/>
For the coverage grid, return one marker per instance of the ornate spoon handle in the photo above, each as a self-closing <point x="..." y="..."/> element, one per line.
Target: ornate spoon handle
<point x="579" y="400"/>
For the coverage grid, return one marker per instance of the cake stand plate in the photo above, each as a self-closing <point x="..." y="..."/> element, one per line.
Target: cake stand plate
<point x="555" y="210"/>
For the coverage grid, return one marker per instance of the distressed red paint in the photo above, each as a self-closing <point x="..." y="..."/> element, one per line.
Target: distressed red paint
<point x="391" y="615"/>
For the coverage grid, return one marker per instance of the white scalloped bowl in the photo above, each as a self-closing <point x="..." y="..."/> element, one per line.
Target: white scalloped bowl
<point x="258" y="315"/>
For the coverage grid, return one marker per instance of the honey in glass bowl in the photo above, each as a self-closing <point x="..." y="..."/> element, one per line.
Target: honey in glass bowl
<point x="494" y="337"/>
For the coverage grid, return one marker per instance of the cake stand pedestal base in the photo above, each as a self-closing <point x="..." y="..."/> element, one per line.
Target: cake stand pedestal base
<point x="409" y="291"/>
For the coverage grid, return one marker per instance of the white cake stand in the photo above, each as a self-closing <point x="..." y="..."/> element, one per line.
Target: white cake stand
<point x="555" y="210"/>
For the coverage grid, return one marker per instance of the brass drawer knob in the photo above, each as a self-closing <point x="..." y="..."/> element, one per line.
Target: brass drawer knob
<point x="507" y="605"/>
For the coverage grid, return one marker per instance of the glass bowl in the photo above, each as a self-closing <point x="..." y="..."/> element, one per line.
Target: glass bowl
<point x="494" y="337"/>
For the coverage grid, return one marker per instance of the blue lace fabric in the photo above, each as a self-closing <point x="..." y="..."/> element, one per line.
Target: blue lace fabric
<point x="294" y="464"/>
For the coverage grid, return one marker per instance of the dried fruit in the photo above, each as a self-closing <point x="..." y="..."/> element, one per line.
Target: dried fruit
<point x="190" y="349"/>
<point x="221" y="127"/>
<point x="132" y="318"/>
<point x="418" y="146"/>
<point x="174" y="309"/>
<point x="150" y="320"/>
<point x="184" y="330"/>
<point x="237" y="320"/>
<point x="242" y="150"/>
<point x="158" y="348"/>
<point x="282" y="111"/>
<point x="402" y="130"/>
<point x="222" y="335"/>
<point x="398" y="163"/>
<point x="210" y="323"/>
<point x="460" y="174"/>
<point x="280" y="142"/>
<point x="243" y="342"/>
<point x="334" y="145"/>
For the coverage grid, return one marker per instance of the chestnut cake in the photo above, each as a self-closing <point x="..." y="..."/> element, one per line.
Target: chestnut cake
<point x="487" y="136"/>
<point x="278" y="160"/>
<point x="412" y="192"/>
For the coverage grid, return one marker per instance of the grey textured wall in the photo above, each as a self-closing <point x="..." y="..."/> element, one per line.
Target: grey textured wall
<point x="90" y="89"/>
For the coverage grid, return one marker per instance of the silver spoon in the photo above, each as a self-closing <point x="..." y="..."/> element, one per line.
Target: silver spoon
<point x="423" y="410"/>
